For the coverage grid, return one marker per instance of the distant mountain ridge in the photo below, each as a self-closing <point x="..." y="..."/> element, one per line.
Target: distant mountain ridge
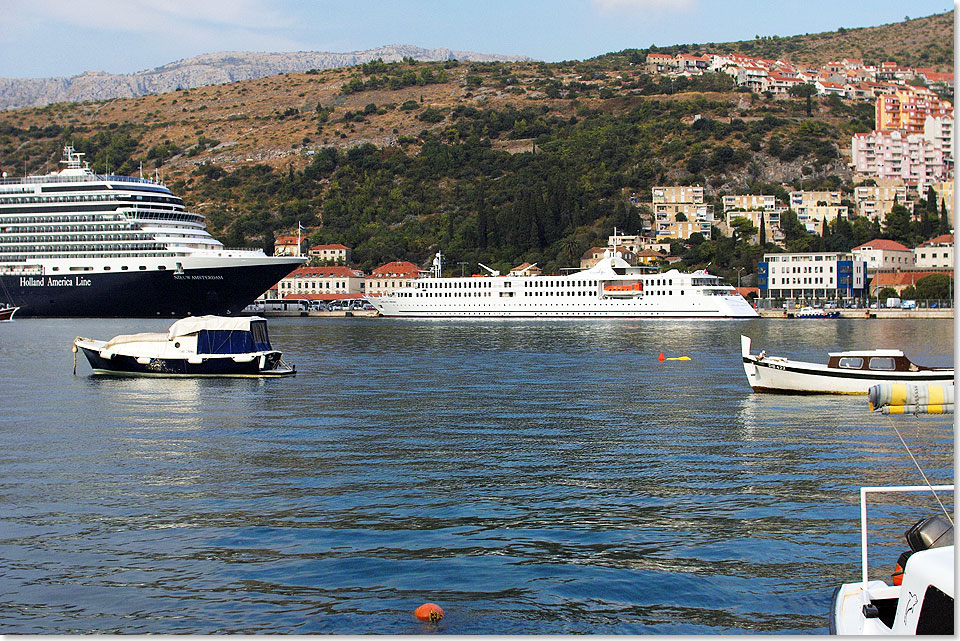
<point x="210" y="69"/>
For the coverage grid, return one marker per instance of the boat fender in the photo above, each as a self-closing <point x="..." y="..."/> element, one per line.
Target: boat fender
<point x="901" y="564"/>
<point x="143" y="360"/>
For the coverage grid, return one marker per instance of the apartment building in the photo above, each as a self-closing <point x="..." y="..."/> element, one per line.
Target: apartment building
<point x="908" y="107"/>
<point x="814" y="217"/>
<point x="681" y="211"/>
<point x="944" y="192"/>
<point x="875" y="202"/>
<point x="771" y="224"/>
<point x="747" y="202"/>
<point x="811" y="276"/>
<point x="808" y="198"/>
<point x="897" y="154"/>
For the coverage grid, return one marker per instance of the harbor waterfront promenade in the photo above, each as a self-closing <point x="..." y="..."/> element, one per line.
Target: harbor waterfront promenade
<point x="528" y="476"/>
<point x="867" y="313"/>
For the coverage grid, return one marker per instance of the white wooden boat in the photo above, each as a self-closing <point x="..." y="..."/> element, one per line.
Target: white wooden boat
<point x="852" y="372"/>
<point x="194" y="346"/>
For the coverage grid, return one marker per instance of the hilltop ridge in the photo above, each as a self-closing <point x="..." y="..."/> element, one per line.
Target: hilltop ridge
<point x="212" y="69"/>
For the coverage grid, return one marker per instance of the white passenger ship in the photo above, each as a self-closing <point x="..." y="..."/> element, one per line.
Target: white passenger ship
<point x="75" y="243"/>
<point x="611" y="288"/>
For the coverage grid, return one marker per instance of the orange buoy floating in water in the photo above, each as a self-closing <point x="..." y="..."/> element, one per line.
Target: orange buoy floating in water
<point x="429" y="612"/>
<point x="661" y="358"/>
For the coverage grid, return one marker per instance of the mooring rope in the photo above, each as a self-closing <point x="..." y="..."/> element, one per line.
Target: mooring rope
<point x="925" y="479"/>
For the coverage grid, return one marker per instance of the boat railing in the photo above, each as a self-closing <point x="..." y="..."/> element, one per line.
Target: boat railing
<point x="56" y="178"/>
<point x="898" y="489"/>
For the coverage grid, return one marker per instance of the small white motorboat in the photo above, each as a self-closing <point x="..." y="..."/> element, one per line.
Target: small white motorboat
<point x="852" y="372"/>
<point x="194" y="346"/>
<point x="920" y="596"/>
<point x="816" y="312"/>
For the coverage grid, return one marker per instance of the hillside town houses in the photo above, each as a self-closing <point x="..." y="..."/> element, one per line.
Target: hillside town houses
<point x="909" y="152"/>
<point x="849" y="78"/>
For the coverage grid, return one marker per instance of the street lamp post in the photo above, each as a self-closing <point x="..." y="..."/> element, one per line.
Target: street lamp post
<point x="739" y="271"/>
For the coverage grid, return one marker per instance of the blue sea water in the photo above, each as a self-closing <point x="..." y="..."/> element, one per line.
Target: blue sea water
<point x="530" y="477"/>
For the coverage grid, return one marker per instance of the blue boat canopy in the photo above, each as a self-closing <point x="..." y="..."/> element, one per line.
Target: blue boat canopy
<point x="223" y="334"/>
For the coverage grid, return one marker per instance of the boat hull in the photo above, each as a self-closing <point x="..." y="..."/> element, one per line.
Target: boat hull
<point x="210" y="289"/>
<point x="222" y="366"/>
<point x="612" y="308"/>
<point x="782" y="376"/>
<point x="793" y="377"/>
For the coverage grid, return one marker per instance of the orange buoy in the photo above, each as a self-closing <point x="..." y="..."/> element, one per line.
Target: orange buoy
<point x="429" y="612"/>
<point x="661" y="358"/>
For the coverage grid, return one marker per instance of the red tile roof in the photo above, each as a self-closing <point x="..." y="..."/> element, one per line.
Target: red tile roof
<point x="943" y="240"/>
<point x="337" y="271"/>
<point x="883" y="279"/>
<point x="334" y="246"/>
<point x="396" y="269"/>
<point x="883" y="244"/>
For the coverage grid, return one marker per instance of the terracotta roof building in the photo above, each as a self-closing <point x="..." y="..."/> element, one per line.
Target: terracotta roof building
<point x="335" y="253"/>
<point x="322" y="282"/>
<point x="935" y="253"/>
<point x="391" y="276"/>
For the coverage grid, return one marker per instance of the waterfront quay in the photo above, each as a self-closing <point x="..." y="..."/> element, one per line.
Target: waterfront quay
<point x="865" y="313"/>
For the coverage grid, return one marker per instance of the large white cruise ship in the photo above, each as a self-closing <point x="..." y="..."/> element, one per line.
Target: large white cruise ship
<point x="75" y="243"/>
<point x="611" y="288"/>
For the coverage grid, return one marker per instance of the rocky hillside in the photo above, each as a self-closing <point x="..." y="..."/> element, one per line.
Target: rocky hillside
<point x="497" y="162"/>
<point x="210" y="69"/>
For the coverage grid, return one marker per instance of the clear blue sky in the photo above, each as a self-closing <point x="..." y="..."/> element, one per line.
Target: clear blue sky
<point x="42" y="38"/>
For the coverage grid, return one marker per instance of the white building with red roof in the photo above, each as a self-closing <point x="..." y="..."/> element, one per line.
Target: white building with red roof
<point x="936" y="253"/>
<point x="884" y="255"/>
<point x="322" y="283"/>
<point x="334" y="253"/>
<point x="392" y="276"/>
<point x="286" y="246"/>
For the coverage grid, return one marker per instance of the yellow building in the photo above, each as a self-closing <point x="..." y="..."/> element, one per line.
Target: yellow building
<point x="908" y="107"/>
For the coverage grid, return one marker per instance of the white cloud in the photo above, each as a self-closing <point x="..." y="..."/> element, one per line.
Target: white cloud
<point x="145" y="16"/>
<point x="644" y="6"/>
<point x="132" y="35"/>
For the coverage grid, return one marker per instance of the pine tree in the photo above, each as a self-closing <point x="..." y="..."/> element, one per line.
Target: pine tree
<point x="944" y="219"/>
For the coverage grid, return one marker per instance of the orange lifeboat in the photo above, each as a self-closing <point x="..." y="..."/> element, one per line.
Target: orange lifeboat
<point x="631" y="289"/>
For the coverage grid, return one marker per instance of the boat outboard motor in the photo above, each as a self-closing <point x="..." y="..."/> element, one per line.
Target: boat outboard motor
<point x="934" y="532"/>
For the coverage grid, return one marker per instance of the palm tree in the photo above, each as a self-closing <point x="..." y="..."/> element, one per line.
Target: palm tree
<point x="570" y="250"/>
